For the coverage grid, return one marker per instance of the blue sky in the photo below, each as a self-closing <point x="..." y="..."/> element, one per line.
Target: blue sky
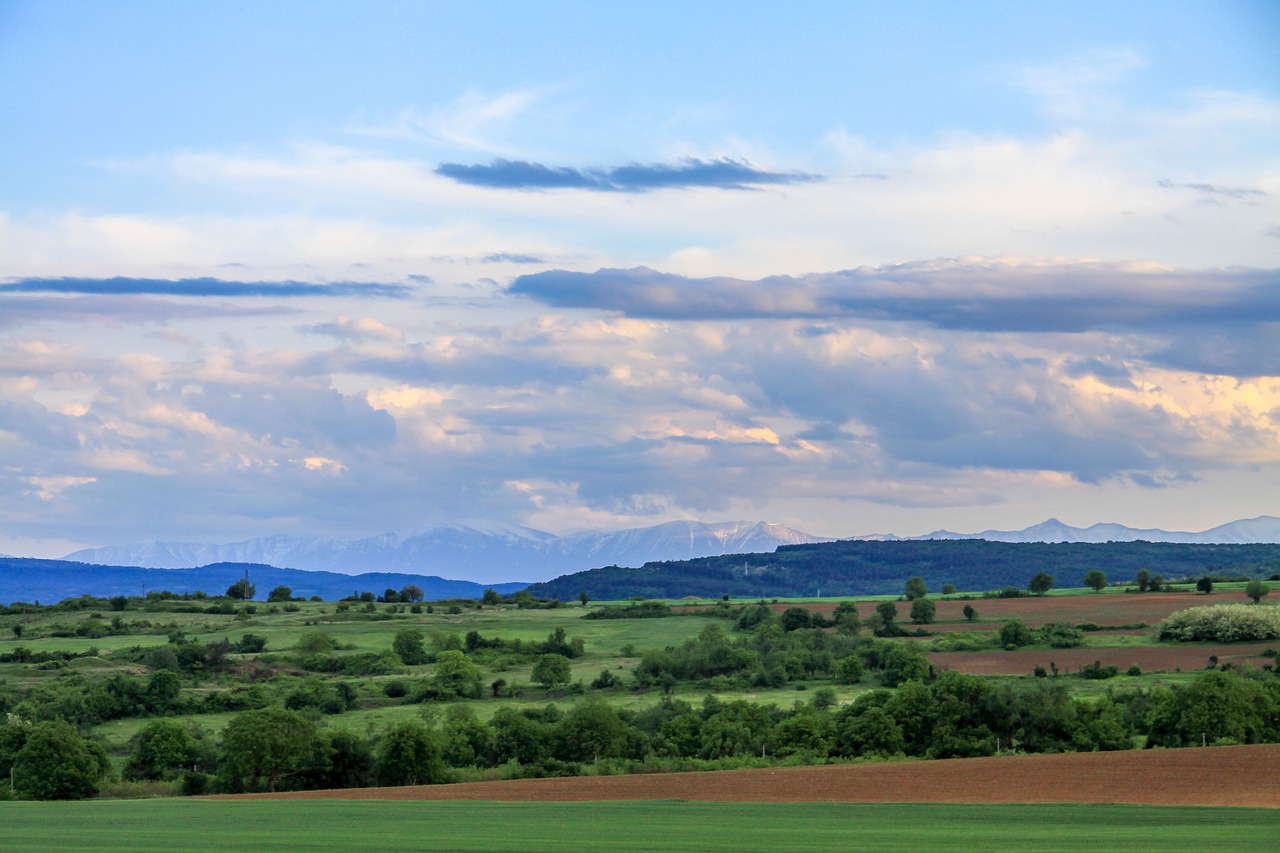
<point x="335" y="269"/>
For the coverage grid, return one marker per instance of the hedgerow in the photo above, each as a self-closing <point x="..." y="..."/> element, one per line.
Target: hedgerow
<point x="1222" y="623"/>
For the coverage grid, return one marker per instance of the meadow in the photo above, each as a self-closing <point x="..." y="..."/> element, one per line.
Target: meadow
<point x="188" y="826"/>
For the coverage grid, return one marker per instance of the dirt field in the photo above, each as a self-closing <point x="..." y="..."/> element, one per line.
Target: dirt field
<point x="1102" y="608"/>
<point x="1187" y="657"/>
<point x="1218" y="776"/>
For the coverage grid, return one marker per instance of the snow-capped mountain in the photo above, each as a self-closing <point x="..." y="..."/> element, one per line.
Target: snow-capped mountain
<point x="488" y="552"/>
<point x="1263" y="529"/>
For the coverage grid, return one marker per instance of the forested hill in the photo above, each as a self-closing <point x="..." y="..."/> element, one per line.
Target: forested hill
<point x="856" y="567"/>
<point x="49" y="581"/>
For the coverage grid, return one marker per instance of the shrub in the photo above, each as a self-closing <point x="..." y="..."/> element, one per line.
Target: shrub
<point x="1222" y="623"/>
<point x="1061" y="635"/>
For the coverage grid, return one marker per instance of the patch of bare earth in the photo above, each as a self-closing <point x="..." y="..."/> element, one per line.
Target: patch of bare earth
<point x="1101" y="608"/>
<point x="1149" y="658"/>
<point x="1217" y="776"/>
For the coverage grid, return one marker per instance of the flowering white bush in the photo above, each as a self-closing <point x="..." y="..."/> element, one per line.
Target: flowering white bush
<point x="1224" y="623"/>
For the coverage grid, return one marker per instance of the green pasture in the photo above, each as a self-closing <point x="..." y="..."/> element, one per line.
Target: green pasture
<point x="159" y="826"/>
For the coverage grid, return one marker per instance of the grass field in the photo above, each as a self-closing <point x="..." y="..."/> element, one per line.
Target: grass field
<point x="157" y="826"/>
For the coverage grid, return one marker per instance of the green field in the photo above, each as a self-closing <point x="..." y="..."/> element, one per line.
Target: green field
<point x="189" y="825"/>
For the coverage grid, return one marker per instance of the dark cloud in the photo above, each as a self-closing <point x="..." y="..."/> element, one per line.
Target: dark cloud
<point x="122" y="285"/>
<point x="724" y="174"/>
<point x="510" y="258"/>
<point x="990" y="297"/>
<point x="131" y="308"/>
<point x="1212" y="189"/>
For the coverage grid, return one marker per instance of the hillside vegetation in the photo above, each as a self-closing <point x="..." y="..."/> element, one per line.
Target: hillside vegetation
<point x="856" y="567"/>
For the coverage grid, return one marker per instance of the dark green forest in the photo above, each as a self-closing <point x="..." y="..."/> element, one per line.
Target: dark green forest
<point x="856" y="567"/>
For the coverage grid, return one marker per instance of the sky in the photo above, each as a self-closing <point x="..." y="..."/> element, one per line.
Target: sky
<point x="338" y="269"/>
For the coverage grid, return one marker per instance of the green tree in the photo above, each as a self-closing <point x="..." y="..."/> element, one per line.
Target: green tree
<point x="923" y="611"/>
<point x="970" y="613"/>
<point x="887" y="611"/>
<point x="1142" y="579"/>
<point x="1095" y="579"/>
<point x="491" y="597"/>
<point x="584" y="597"/>
<point x="1205" y="585"/>
<point x="280" y="593"/>
<point x="164" y="749"/>
<point x="1041" y="582"/>
<point x="263" y="747"/>
<point x="241" y="590"/>
<point x="795" y="618"/>
<point x="412" y="593"/>
<point x="408" y="644"/>
<point x="456" y="674"/>
<point x="846" y="618"/>
<point x="915" y="588"/>
<point x="56" y="763"/>
<point x="409" y="754"/>
<point x="1256" y="589"/>
<point x="1015" y="633"/>
<point x="551" y="670"/>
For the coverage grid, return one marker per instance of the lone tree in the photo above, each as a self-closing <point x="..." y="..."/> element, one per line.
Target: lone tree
<point x="280" y="593"/>
<point x="551" y="670"/>
<point x="241" y="590"/>
<point x="970" y="613"/>
<point x="915" y="588"/>
<point x="1095" y="579"/>
<point x="1205" y="585"/>
<point x="584" y="597"/>
<point x="408" y="645"/>
<point x="923" y="611"/>
<point x="1255" y="589"/>
<point x="1142" y="579"/>
<point x="412" y="593"/>
<point x="1041" y="583"/>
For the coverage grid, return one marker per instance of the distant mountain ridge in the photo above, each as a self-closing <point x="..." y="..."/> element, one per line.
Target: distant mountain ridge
<point x="486" y="551"/>
<point x="1265" y="529"/>
<point x="49" y="581"/>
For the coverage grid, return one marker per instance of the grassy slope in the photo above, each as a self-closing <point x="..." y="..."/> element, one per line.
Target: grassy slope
<point x="176" y="825"/>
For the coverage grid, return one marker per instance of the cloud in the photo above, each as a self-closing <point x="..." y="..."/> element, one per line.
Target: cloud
<point x="48" y="488"/>
<point x="1212" y="189"/>
<point x="724" y="173"/>
<point x="982" y="295"/>
<point x="511" y="258"/>
<point x="201" y="287"/>
<point x="16" y="310"/>
<point x="366" y="328"/>
<point x="467" y="122"/>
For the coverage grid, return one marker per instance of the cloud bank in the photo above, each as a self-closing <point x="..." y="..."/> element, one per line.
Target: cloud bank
<point x="725" y="174"/>
<point x="949" y="294"/>
<point x="200" y="287"/>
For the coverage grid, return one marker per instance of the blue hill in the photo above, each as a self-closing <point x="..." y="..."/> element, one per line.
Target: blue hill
<point x="49" y="581"/>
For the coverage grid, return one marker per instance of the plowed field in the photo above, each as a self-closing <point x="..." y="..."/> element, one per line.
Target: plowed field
<point x="1187" y="656"/>
<point x="1102" y="608"/>
<point x="1218" y="776"/>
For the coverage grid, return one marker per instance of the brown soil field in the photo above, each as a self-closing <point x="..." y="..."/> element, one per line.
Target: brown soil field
<point x="1102" y="608"/>
<point x="1217" y="776"/>
<point x="1190" y="656"/>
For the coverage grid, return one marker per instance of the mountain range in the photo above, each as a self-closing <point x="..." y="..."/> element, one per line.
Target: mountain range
<point x="484" y="552"/>
<point x="495" y="552"/>
<point x="1264" y="529"/>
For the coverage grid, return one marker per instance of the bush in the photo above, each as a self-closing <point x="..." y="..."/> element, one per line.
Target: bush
<point x="1061" y="635"/>
<point x="1096" y="670"/>
<point x="1224" y="623"/>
